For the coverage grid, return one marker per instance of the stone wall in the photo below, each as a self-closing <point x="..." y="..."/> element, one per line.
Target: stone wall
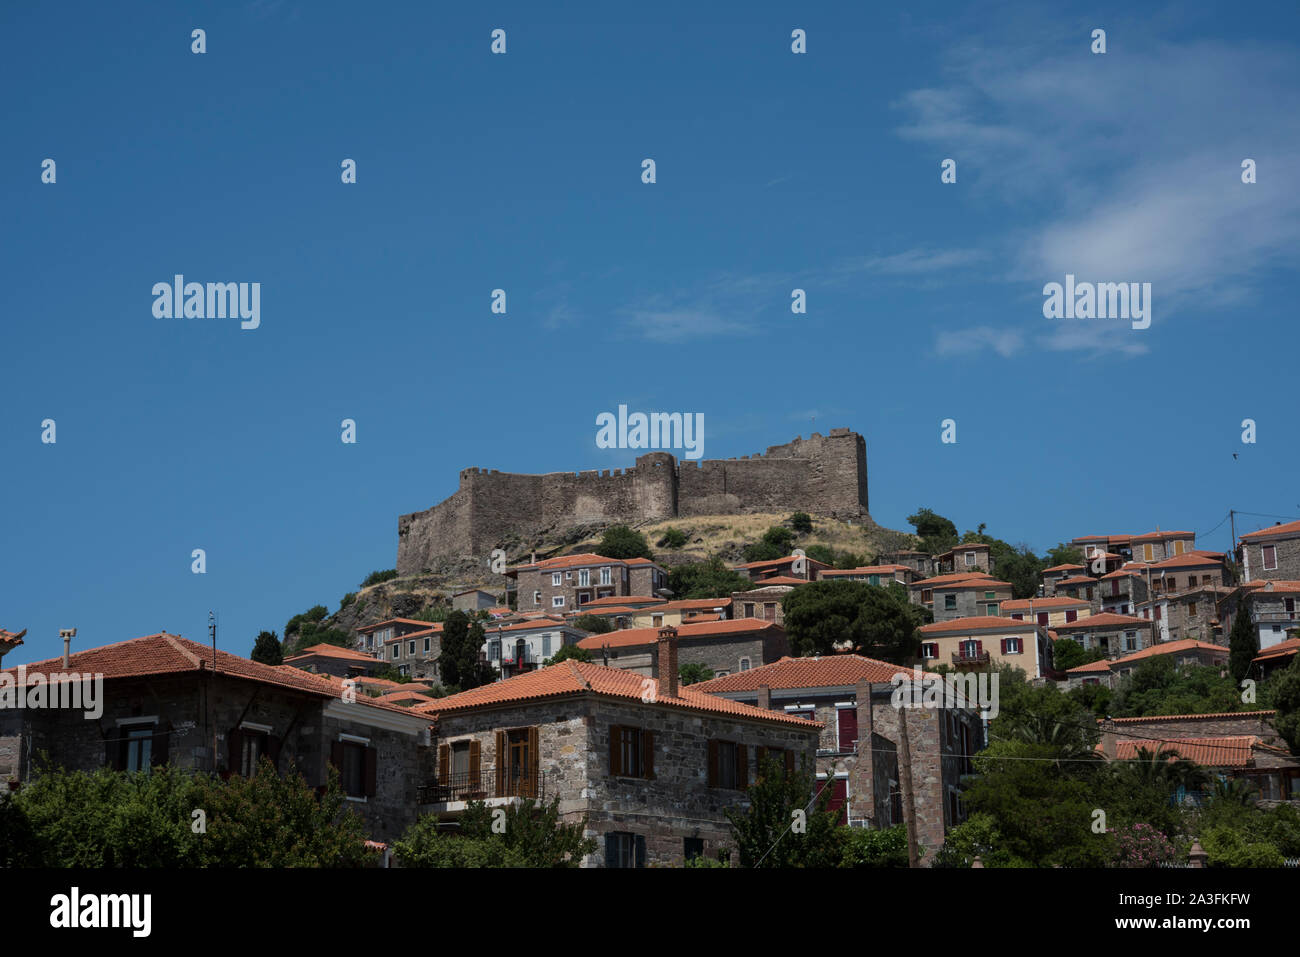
<point x="826" y="475"/>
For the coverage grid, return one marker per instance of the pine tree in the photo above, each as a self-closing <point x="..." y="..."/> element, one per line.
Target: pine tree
<point x="1243" y="644"/>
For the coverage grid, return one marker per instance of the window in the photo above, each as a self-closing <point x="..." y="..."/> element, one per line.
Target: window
<point x="1191" y="609"/>
<point x="427" y="645"/>
<point x="1011" y="645"/>
<point x="1191" y="580"/>
<point x="546" y="646"/>
<point x="1130" y="641"/>
<point x="604" y="576"/>
<point x="396" y="651"/>
<point x="927" y="596"/>
<point x="631" y="752"/>
<point x="728" y="765"/>
<point x="252" y="745"/>
<point x="537" y="598"/>
<point x="846" y="728"/>
<point x="557" y="601"/>
<point x="410" y="648"/>
<point x="744" y="664"/>
<point x="1178" y="547"/>
<point x="970" y="558"/>
<point x="1173" y="583"/>
<point x="555" y="578"/>
<point x="1269" y="553"/>
<point x="656" y="621"/>
<point x="1042" y="618"/>
<point x="993" y="609"/>
<point x="692" y="847"/>
<point x="623" y="849"/>
<point x="1071" y="615"/>
<point x="769" y="611"/>
<point x="494" y="649"/>
<point x="749" y="609"/>
<point x="1159" y="612"/>
<point x="930" y="649"/>
<point x="356" y="764"/>
<point x="584" y="597"/>
<point x="584" y="577"/>
<point x="136" y="747"/>
<point x="949" y="602"/>
<point x="1089" y="592"/>
<point x="971" y="648"/>
<point x="990" y="594"/>
<point x="1148" y="552"/>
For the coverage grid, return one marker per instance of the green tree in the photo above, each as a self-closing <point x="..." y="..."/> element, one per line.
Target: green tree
<point x="871" y="847"/>
<point x="1062" y="554"/>
<point x="267" y="649"/>
<point x="877" y="619"/>
<point x="569" y="653"/>
<point x="530" y="835"/>
<point x="707" y="579"/>
<point x="376" y="578"/>
<point x="458" y="662"/>
<point x="777" y="542"/>
<point x="937" y="533"/>
<point x="595" y="624"/>
<point x="1285" y="691"/>
<point x="801" y="522"/>
<point x="672" y="538"/>
<point x="763" y="829"/>
<point x="694" y="673"/>
<point x="1068" y="653"/>
<point x="1243" y="645"/>
<point x="1159" y="685"/>
<point x="619" y="541"/>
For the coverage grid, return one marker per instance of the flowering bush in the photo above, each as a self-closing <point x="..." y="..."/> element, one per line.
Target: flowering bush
<point x="1141" y="845"/>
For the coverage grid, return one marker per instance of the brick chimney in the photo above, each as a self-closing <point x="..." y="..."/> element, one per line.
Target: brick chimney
<point x="1108" y="739"/>
<point x="764" y="697"/>
<point x="667" y="647"/>
<point x="862" y="774"/>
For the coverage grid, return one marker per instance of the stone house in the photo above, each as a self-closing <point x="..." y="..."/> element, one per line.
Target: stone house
<point x="1187" y="613"/>
<point x="523" y="645"/>
<point x="333" y="660"/>
<point x="168" y="700"/>
<point x="568" y="583"/>
<point x="1083" y="587"/>
<point x="764" y="603"/>
<point x="652" y="766"/>
<point x="1271" y="605"/>
<point x="1158" y="546"/>
<point x="722" y="647"/>
<point x="1112" y="635"/>
<point x="1271" y="553"/>
<point x="971" y="557"/>
<point x="1242" y="745"/>
<point x="920" y="562"/>
<point x="1057" y="573"/>
<point x="416" y="652"/>
<point x="1123" y="589"/>
<point x="1110" y="672"/>
<point x="1276" y="658"/>
<point x="961" y="596"/>
<point x="371" y="638"/>
<point x="673" y="613"/>
<point x="872" y="574"/>
<point x="988" y="642"/>
<point x="473" y="599"/>
<point x="791" y="566"/>
<point x="858" y="754"/>
<point x="1048" y="612"/>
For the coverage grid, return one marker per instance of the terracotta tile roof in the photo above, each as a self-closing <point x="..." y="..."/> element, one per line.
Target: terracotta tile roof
<point x="1160" y="536"/>
<point x="694" y="604"/>
<point x="166" y="654"/>
<point x="501" y="612"/>
<point x="1164" y="648"/>
<point x="778" y="580"/>
<point x="1282" y="649"/>
<point x="624" y="600"/>
<point x="1220" y="752"/>
<point x="865" y="570"/>
<point x="648" y="636"/>
<point x="580" y="559"/>
<point x="609" y="610"/>
<point x="580" y="677"/>
<point x="330" y="651"/>
<point x="693" y="616"/>
<point x="1078" y="580"/>
<point x="10" y="639"/>
<point x="1276" y="586"/>
<point x="1195" y="717"/>
<point x="1064" y="568"/>
<point x="366" y="629"/>
<point x="383" y="684"/>
<point x="824" y="672"/>
<point x="1186" y="560"/>
<point x="1130" y="569"/>
<point x="429" y="629"/>
<point x="779" y="561"/>
<point x="1289" y="528"/>
<point x="949" y="579"/>
<point x="977" y="623"/>
<point x="1044" y="604"/>
<point x="532" y="624"/>
<point x="1105" y="620"/>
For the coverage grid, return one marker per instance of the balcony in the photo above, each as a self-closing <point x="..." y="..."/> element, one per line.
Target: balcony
<point x="962" y="659"/>
<point x="489" y="786"/>
<point x="1273" y="616"/>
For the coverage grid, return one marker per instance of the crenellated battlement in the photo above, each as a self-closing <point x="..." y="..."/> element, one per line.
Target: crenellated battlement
<point x="825" y="475"/>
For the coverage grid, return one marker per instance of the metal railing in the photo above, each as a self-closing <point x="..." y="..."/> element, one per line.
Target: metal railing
<point x="463" y="786"/>
<point x="975" y="658"/>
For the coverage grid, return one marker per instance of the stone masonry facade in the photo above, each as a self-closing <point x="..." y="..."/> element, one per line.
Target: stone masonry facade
<point x="826" y="475"/>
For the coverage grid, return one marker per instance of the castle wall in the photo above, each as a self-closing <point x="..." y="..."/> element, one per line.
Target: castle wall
<point x="825" y="475"/>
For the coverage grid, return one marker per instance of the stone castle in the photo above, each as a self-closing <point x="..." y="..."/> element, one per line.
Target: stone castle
<point x="824" y="475"/>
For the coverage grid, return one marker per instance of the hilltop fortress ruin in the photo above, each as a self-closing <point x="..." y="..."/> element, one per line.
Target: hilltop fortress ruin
<point x="824" y="475"/>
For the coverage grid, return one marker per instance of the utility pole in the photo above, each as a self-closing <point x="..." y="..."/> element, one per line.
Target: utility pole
<point x="905" y="782"/>
<point x="212" y="633"/>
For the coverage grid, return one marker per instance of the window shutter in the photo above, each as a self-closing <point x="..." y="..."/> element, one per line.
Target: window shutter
<point x="615" y="752"/>
<point x="742" y="766"/>
<point x="336" y="754"/>
<point x="648" y="757"/>
<point x="368" y="771"/>
<point x="611" y="850"/>
<point x="789" y="761"/>
<point x="273" y="743"/>
<point x="534" y="782"/>
<point x="235" y="750"/>
<point x="1004" y="646"/>
<point x="444" y="764"/>
<point x="713" y="764"/>
<point x="759" y="755"/>
<point x="847" y="719"/>
<point x="158" y="750"/>
<point x="979" y="647"/>
<point x="640" y="850"/>
<point x="475" y="765"/>
<point x="503" y="742"/>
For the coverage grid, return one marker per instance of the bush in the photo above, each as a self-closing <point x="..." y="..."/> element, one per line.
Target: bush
<point x="532" y="836"/>
<point x="1228" y="847"/>
<point x="347" y="599"/>
<point x="1141" y="845"/>
<point x="672" y="538"/>
<point x="867" y="847"/>
<point x="622" y="542"/>
<point x="375" y="578"/>
<point x="594" y="624"/>
<point x="801" y="522"/>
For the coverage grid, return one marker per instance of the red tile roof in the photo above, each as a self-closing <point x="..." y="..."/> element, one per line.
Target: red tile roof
<point x="1281" y="650"/>
<point x="1043" y="604"/>
<point x="166" y="654"/>
<point x="865" y="570"/>
<point x="949" y="579"/>
<point x="392" y="621"/>
<point x="1160" y="536"/>
<point x="11" y="639"/>
<point x="1164" y="648"/>
<point x="1105" y="620"/>
<point x="574" y="561"/>
<point x="1063" y="568"/>
<point x="430" y="629"/>
<point x="580" y="677"/>
<point x="631" y="637"/>
<point x="1194" y="717"/>
<point x="780" y="561"/>
<point x="624" y="600"/>
<point x="1078" y="580"/>
<point x="330" y="651"/>
<point x="1186" y="560"/>
<point x="1289" y="528"/>
<point x="777" y="580"/>
<point x="977" y="623"/>
<point x="825" y="672"/>
<point x="1219" y="752"/>
<point x="531" y="624"/>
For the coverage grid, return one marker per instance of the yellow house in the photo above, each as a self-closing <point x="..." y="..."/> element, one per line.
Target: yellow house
<point x="1048" y="612"/>
<point x="986" y="641"/>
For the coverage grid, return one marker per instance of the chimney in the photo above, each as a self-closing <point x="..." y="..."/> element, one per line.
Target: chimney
<point x="67" y="634"/>
<point x="764" y="697"/>
<point x="1108" y="739"/>
<point x="667" y="661"/>
<point x="862" y="773"/>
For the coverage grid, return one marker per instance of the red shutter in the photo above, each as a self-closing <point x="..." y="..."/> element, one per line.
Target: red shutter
<point x="713" y="763"/>
<point x="1042" y="618"/>
<point x="615" y="749"/>
<point x="475" y="766"/>
<point x="848" y="728"/>
<point x="1004" y="646"/>
<point x="1071" y="615"/>
<point x="368" y="772"/>
<point x="979" y="647"/>
<point x="839" y="794"/>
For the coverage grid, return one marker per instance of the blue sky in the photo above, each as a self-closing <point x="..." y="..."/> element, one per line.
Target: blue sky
<point x="474" y="172"/>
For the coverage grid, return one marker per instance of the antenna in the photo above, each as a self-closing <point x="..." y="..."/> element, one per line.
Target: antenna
<point x="212" y="634"/>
